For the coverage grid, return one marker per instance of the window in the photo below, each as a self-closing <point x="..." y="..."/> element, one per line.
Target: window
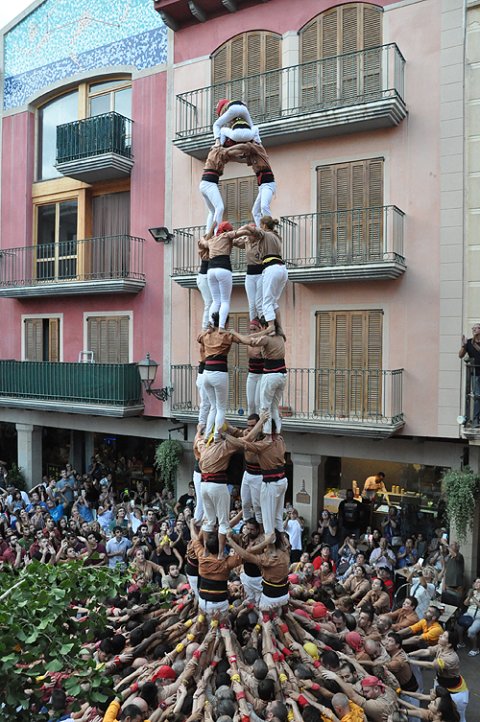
<point x="238" y="197"/>
<point x="339" y="34"/>
<point x="349" y="363"/>
<point x="108" y="337"/>
<point x="42" y="339"/>
<point x="60" y="110"/>
<point x="240" y="71"/>
<point x="56" y="234"/>
<point x="113" y="95"/>
<point x="85" y="101"/>
<point x="350" y="208"/>
<point x="238" y="358"/>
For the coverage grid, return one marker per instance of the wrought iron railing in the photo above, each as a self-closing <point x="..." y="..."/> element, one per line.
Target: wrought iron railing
<point x="92" y="259"/>
<point x="105" y="133"/>
<point x="316" y="395"/>
<point x="90" y="383"/>
<point x="316" y="240"/>
<point x="472" y="396"/>
<point x="343" y="238"/>
<point x="334" y="82"/>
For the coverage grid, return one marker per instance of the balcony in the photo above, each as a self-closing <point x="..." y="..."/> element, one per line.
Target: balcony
<point x="74" y="388"/>
<point x="362" y="244"/>
<point x="470" y="422"/>
<point x="339" y="402"/>
<point x="341" y="94"/>
<point x="95" y="149"/>
<point x="110" y="264"/>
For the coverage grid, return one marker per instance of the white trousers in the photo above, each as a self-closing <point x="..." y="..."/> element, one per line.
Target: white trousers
<point x="211" y="608"/>
<point x="460" y="700"/>
<point x="234" y="111"/>
<point x="193" y="581"/>
<point x="250" y="493"/>
<point x="216" y="504"/>
<point x="239" y="135"/>
<point x="214" y="202"/>
<point x="215" y="386"/>
<point x="197" y="480"/>
<point x="252" y="587"/>
<point x="275" y="278"/>
<point x="204" y="403"/>
<point x="254" y="291"/>
<point x="204" y="288"/>
<point x="253" y="393"/>
<point x="220" y="282"/>
<point x="272" y="501"/>
<point x="267" y="603"/>
<point x="261" y="207"/>
<point x="271" y="392"/>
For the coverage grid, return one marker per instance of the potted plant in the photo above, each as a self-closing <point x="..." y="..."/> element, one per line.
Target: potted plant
<point x="167" y="458"/>
<point x="461" y="489"/>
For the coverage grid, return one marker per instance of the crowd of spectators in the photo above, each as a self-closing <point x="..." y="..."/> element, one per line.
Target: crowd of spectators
<point x="364" y="616"/>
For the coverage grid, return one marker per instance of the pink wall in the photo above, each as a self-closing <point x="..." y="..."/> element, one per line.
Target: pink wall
<point x="18" y="132"/>
<point x="203" y="39"/>
<point x="411" y="181"/>
<point x="147" y="210"/>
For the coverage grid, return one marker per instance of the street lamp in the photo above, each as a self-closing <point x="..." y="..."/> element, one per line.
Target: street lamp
<point x="148" y="371"/>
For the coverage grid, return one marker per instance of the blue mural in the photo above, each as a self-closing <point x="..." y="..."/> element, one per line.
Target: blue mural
<point x="61" y="38"/>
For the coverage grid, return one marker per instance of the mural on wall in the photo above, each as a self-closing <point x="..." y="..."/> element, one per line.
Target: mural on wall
<point x="61" y="38"/>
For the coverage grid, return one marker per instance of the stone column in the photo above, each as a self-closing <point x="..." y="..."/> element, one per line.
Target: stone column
<point x="29" y="453"/>
<point x="308" y="486"/>
<point x="470" y="547"/>
<point x="77" y="451"/>
<point x="89" y="449"/>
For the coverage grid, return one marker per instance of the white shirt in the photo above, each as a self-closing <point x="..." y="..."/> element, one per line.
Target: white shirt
<point x="423" y="595"/>
<point x="294" y="531"/>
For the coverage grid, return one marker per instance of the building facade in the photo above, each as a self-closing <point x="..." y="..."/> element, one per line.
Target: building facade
<point x="361" y="108"/>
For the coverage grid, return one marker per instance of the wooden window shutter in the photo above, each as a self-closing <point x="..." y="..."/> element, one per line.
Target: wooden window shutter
<point x="33" y="339"/>
<point x="354" y="192"/>
<point x="54" y="339"/>
<point x="238" y="359"/>
<point x="351" y="343"/>
<point x="108" y="338"/>
<point x="372" y="26"/>
<point x="242" y="62"/>
<point x="239" y="196"/>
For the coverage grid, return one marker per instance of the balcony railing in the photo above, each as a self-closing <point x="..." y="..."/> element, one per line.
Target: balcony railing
<point x="360" y="243"/>
<point x="109" y="264"/>
<point x="96" y="148"/>
<point x="367" y="402"/>
<point x="471" y="418"/>
<point x="304" y="101"/>
<point x="105" y="389"/>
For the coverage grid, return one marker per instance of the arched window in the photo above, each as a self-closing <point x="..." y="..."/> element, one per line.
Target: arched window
<point x="244" y="68"/>
<point x="336" y="38"/>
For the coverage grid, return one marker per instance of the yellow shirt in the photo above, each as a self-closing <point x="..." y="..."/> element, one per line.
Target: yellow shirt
<point x="356" y="714"/>
<point x="430" y="631"/>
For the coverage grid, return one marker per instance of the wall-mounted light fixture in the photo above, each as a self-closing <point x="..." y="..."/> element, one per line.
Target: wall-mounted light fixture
<point x="161" y="234"/>
<point x="148" y="371"/>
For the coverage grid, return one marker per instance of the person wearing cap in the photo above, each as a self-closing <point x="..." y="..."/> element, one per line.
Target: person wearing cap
<point x="234" y="123"/>
<point x="377" y="701"/>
